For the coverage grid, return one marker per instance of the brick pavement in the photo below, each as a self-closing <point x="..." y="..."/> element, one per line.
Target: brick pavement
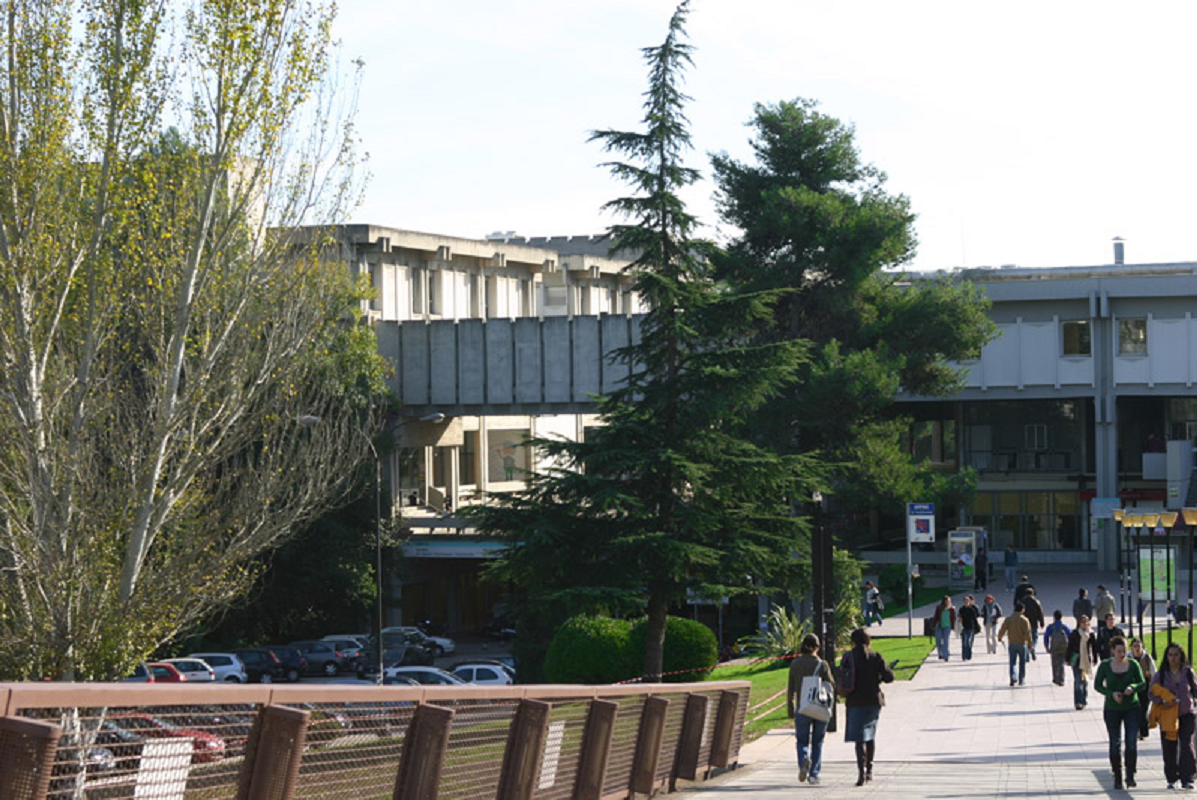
<point x="959" y="730"/>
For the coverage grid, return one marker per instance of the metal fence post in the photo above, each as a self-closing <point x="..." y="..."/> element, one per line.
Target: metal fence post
<point x="525" y="748"/>
<point x="596" y="748"/>
<point x="27" y="751"/>
<point x="648" y="744"/>
<point x="424" y="749"/>
<point x="273" y="754"/>
<point x="694" y="720"/>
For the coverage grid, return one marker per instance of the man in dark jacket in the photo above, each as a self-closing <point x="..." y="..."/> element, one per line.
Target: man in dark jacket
<point x="1082" y="606"/>
<point x="1034" y="614"/>
<point x="1105" y="633"/>
<point x="1020" y="591"/>
<point x="981" y="567"/>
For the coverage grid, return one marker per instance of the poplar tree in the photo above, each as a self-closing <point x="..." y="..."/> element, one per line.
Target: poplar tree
<point x="665" y="495"/>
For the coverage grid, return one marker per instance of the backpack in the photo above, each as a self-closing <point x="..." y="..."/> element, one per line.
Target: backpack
<point x="845" y="678"/>
<point x="1058" y="641"/>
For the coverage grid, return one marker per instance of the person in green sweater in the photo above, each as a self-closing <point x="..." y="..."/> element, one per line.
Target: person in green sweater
<point x="1120" y="678"/>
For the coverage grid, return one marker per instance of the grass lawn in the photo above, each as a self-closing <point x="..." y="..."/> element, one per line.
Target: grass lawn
<point x="924" y="596"/>
<point x="770" y="677"/>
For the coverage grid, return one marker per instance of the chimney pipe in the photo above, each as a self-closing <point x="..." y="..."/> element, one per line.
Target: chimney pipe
<point x="1119" y="253"/>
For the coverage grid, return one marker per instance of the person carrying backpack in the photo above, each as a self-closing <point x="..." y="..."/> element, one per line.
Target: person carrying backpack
<point x="1055" y="642"/>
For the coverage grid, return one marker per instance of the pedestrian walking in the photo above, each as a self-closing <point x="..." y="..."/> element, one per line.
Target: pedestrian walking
<point x="945" y="623"/>
<point x="1082" y="655"/>
<point x="873" y="606"/>
<point x="1019" y="629"/>
<point x="970" y="626"/>
<point x="808" y="731"/>
<point x="1020" y="591"/>
<point x="1106" y="634"/>
<point x="863" y="702"/>
<point x="1119" y="678"/>
<point x="1082" y="606"/>
<point x="1104" y="603"/>
<point x="1055" y="644"/>
<point x="1147" y="664"/>
<point x="1175" y="678"/>
<point x="1034" y="614"/>
<point x="991" y="612"/>
<point x="981" y="565"/>
<point x="1011" y="567"/>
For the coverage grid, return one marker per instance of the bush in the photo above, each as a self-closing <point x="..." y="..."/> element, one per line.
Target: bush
<point x="587" y="649"/>
<point x="689" y="646"/>
<point x="782" y="638"/>
<point x="892" y="582"/>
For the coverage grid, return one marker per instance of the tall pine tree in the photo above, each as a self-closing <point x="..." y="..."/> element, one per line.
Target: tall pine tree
<point x="666" y="495"/>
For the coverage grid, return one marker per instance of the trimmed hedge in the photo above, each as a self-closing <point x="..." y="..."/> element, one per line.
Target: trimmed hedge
<point x="689" y="645"/>
<point x="589" y="649"/>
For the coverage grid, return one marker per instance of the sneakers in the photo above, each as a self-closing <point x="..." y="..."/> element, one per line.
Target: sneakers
<point x="1186" y="785"/>
<point x="1013" y="682"/>
<point x="814" y="780"/>
<point x="803" y="769"/>
<point x="1079" y="706"/>
<point x="1171" y="787"/>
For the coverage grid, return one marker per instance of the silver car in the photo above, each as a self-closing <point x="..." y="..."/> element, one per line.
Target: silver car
<point x="226" y="666"/>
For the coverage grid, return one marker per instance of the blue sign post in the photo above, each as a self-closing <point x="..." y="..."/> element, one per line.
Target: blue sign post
<point x="920" y="527"/>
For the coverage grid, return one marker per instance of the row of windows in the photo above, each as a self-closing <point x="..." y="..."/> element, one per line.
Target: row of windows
<point x="1078" y="338"/>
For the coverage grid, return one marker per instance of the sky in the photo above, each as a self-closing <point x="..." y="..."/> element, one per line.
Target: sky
<point x="1027" y="133"/>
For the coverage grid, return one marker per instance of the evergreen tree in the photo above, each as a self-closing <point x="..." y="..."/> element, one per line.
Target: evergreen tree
<point x="666" y="495"/>
<point x="816" y="220"/>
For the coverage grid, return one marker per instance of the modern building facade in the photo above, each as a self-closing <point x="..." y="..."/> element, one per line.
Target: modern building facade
<point x="1084" y="400"/>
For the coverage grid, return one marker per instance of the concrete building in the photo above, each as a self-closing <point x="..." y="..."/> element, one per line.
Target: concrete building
<point x="1085" y="401"/>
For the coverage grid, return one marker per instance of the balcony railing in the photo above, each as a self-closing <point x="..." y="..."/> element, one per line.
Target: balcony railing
<point x="67" y="740"/>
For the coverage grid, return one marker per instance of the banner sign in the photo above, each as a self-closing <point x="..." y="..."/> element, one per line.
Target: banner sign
<point x="920" y="522"/>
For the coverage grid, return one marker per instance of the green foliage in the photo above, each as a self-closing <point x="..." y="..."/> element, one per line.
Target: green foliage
<point x="817" y="221"/>
<point x="667" y="494"/>
<point x="783" y="636"/>
<point x="691" y="649"/>
<point x="892" y="581"/>
<point x="588" y="649"/>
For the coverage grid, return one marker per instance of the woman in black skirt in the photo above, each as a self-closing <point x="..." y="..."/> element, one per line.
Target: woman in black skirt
<point x="865" y="671"/>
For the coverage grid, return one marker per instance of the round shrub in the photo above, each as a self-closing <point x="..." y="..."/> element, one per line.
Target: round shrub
<point x="589" y="650"/>
<point x="689" y="646"/>
<point x="892" y="582"/>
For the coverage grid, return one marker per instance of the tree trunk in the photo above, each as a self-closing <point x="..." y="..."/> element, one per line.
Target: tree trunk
<point x="654" y="639"/>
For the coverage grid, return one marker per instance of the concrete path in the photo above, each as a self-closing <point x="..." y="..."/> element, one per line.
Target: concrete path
<point x="959" y="730"/>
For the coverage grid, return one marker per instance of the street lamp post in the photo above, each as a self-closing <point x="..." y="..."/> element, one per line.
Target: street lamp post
<point x="309" y="420"/>
<point x="1167" y="519"/>
<point x="1190" y="517"/>
<point x="1116" y="514"/>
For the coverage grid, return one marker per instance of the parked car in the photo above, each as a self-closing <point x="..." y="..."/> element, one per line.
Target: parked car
<point x="261" y="664"/>
<point x="323" y="658"/>
<point x="141" y="674"/>
<point x="295" y="666"/>
<point x="487" y="674"/>
<point x="393" y="638"/>
<point x="350" y="649"/>
<point x="194" y="669"/>
<point x="438" y="645"/>
<point x="403" y="656"/>
<point x="205" y="746"/>
<point x="362" y="640"/>
<point x="155" y="672"/>
<point x="227" y="666"/>
<point x="428" y="676"/>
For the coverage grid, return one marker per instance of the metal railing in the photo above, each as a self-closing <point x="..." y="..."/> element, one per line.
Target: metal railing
<point x="111" y="740"/>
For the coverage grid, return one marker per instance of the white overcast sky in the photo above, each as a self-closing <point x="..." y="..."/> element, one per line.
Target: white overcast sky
<point x="1026" y="133"/>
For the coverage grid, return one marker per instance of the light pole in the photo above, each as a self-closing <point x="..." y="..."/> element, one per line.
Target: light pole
<point x="310" y="420"/>
<point x="1167" y="519"/>
<point x="1116" y="514"/>
<point x="1190" y="515"/>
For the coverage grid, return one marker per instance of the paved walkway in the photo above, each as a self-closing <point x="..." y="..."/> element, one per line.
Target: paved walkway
<point x="959" y="730"/>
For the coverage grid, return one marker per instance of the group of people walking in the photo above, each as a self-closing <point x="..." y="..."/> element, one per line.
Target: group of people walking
<point x="1137" y="694"/>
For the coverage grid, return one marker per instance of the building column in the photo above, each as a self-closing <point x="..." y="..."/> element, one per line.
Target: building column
<point x="1105" y="438"/>
<point x="453" y="479"/>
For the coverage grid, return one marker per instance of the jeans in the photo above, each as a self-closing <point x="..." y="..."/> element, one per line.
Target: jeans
<point x="871" y="614"/>
<point x="942" y="637"/>
<point x="1120" y="724"/>
<point x="966" y="644"/>
<point x="1080" y="688"/>
<point x="1058" y="668"/>
<point x="809" y="733"/>
<point x="1180" y="766"/>
<point x="1010" y="578"/>
<point x="1018" y="654"/>
<point x="991" y="641"/>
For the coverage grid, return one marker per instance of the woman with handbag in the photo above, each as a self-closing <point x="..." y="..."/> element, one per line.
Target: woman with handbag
<point x="863" y="671"/>
<point x="1176" y="676"/>
<point x="812" y="691"/>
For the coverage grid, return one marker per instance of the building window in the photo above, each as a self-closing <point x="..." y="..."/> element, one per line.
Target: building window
<point x="1076" y="338"/>
<point x="508" y="458"/>
<point x="466" y="467"/>
<point x="1132" y="337"/>
<point x="1034" y="436"/>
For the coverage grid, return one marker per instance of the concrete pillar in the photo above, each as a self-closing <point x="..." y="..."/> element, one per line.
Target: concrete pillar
<point x="453" y="479"/>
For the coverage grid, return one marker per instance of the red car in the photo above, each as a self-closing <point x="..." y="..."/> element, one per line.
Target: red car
<point x="166" y="673"/>
<point x="205" y="746"/>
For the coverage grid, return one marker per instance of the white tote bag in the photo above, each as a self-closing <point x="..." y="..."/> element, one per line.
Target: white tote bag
<point x="815" y="698"/>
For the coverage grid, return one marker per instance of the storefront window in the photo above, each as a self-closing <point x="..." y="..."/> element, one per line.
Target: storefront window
<point x="1030" y="520"/>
